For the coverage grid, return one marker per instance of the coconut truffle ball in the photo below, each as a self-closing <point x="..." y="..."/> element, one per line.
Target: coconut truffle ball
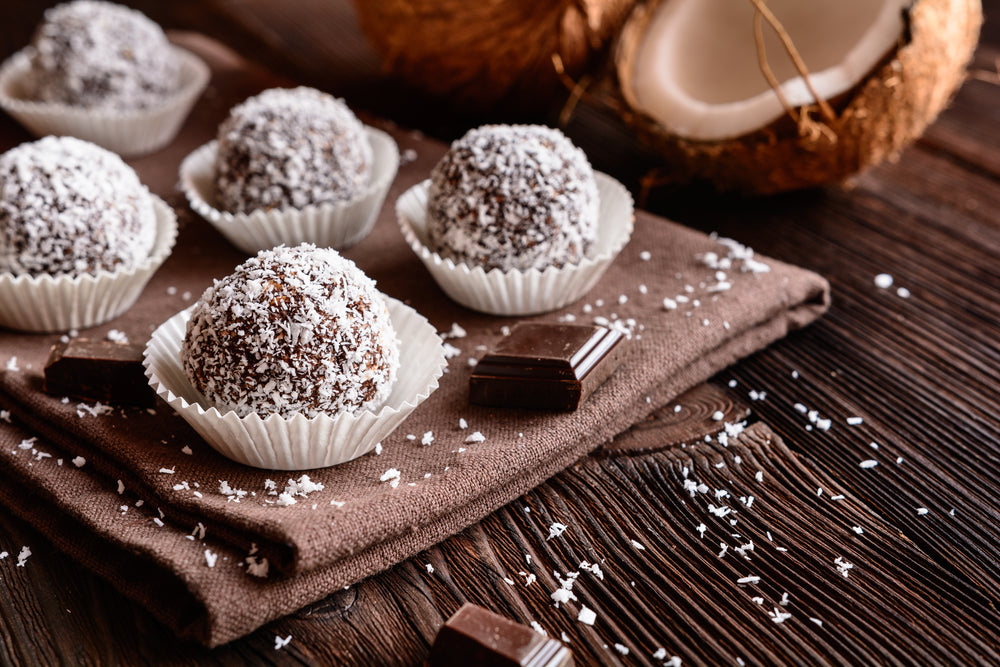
<point x="292" y="330"/>
<point x="102" y="56"/>
<point x="290" y="148"/>
<point x="513" y="197"/>
<point x="70" y="207"/>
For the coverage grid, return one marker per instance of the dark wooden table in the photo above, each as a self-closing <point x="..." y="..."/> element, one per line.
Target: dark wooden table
<point x="919" y="530"/>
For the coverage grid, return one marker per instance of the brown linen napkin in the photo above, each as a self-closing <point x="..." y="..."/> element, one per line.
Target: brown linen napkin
<point x="361" y="522"/>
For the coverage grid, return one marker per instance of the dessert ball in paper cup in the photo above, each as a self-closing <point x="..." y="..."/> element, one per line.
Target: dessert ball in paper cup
<point x="80" y="236"/>
<point x="513" y="221"/>
<point x="291" y="166"/>
<point x="104" y="73"/>
<point x="295" y="361"/>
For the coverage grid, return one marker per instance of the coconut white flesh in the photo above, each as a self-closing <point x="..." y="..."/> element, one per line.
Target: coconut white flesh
<point x="697" y="71"/>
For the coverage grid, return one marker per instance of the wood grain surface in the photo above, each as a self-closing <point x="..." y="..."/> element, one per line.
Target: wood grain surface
<point x="921" y="371"/>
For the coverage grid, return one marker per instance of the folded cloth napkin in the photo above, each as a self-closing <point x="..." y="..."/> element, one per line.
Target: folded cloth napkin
<point x="208" y="534"/>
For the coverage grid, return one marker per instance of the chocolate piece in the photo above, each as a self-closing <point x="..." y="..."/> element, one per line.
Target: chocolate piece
<point x="477" y="636"/>
<point x="547" y="366"/>
<point x="98" y="370"/>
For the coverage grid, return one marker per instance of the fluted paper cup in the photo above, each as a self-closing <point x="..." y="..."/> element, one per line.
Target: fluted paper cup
<point x="298" y="442"/>
<point x="521" y="292"/>
<point x="60" y="303"/>
<point x="331" y="225"/>
<point x="127" y="132"/>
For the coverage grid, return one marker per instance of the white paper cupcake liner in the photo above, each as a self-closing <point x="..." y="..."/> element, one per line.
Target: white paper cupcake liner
<point x="517" y="292"/>
<point x="128" y="133"/>
<point x="338" y="226"/>
<point x="299" y="443"/>
<point x="46" y="303"/>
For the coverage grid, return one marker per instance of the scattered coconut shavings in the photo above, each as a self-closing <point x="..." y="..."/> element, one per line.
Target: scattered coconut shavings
<point x="285" y="499"/>
<point x="869" y="463"/>
<point x="922" y="510"/>
<point x="303" y="486"/>
<point x="427" y="438"/>
<point x="233" y="495"/>
<point x="450" y="351"/>
<point x="12" y="365"/>
<point x="660" y="654"/>
<point x="621" y="648"/>
<point x="392" y="476"/>
<point x="902" y="293"/>
<point x="816" y="621"/>
<point x="257" y="567"/>
<point x="116" y="336"/>
<point x="280" y="643"/>
<point x="167" y="471"/>
<point x="537" y="627"/>
<point x="594" y="569"/>
<point x="738" y="256"/>
<point x="855" y="421"/>
<point x="430" y="568"/>
<point x="5" y="416"/>
<point x="475" y="436"/>
<point x="645" y="255"/>
<point x="701" y="530"/>
<point x="842" y="566"/>
<point x="29" y="443"/>
<point x="779" y="616"/>
<point x="456" y="331"/>
<point x="587" y="615"/>
<point x="562" y="596"/>
<point x="750" y="579"/>
<point x="96" y="410"/>
<point x="23" y="556"/>
<point x="556" y="530"/>
<point x="210" y="557"/>
<point x="79" y="461"/>
<point x="186" y="450"/>
<point x="638" y="545"/>
<point x="718" y="415"/>
<point x="883" y="281"/>
<point x="462" y="424"/>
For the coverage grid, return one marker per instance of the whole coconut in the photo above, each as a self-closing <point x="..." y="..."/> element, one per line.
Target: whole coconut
<point x="479" y="54"/>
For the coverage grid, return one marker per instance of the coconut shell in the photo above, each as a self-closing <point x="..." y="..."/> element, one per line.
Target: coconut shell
<point x="480" y="54"/>
<point x="874" y="121"/>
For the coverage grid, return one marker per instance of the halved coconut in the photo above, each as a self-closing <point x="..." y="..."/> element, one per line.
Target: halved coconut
<point x="807" y="92"/>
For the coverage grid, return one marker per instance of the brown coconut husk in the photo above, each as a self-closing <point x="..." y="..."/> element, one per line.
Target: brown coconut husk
<point x="883" y="114"/>
<point x="482" y="54"/>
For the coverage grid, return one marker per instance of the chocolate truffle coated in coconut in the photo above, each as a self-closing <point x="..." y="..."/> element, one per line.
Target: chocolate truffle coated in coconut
<point x="513" y="197"/>
<point x="292" y="330"/>
<point x="70" y="207"/>
<point x="103" y="56"/>
<point x="290" y="148"/>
